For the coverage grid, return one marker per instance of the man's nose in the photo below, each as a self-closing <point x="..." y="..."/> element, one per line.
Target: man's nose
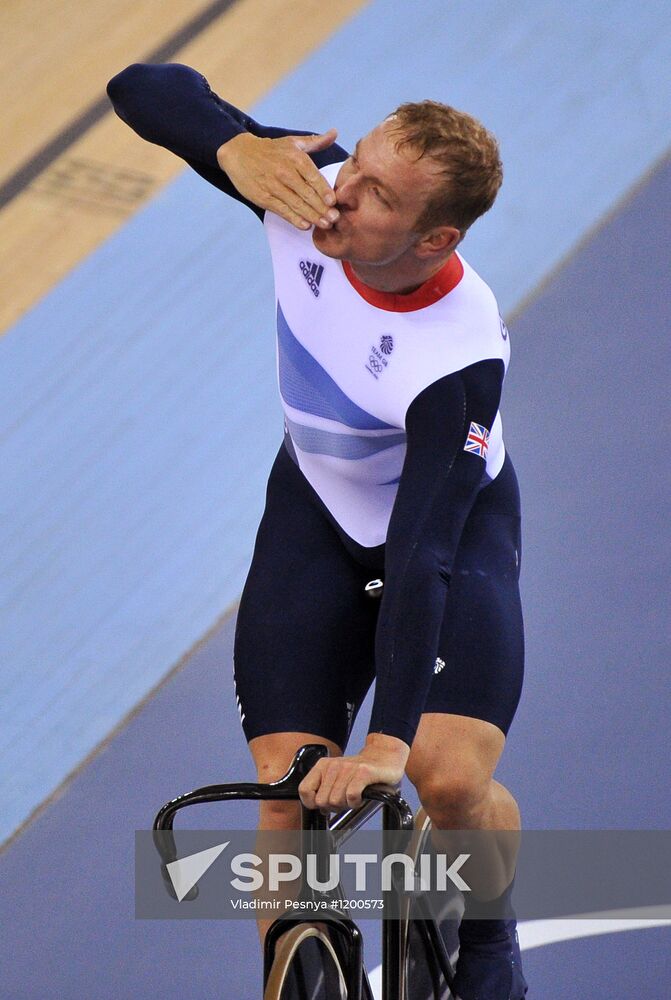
<point x="346" y="194"/>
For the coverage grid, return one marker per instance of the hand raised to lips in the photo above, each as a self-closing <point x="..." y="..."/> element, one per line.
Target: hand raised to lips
<point x="278" y="175"/>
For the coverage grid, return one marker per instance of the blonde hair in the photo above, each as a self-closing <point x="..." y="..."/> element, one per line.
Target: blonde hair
<point x="467" y="153"/>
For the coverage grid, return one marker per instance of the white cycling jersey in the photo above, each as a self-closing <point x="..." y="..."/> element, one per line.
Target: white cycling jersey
<point x="351" y="361"/>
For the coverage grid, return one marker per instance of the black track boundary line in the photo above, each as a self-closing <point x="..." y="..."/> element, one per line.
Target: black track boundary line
<point x="81" y="124"/>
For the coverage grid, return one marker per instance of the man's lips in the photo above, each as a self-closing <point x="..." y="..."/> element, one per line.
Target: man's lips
<point x="336" y="227"/>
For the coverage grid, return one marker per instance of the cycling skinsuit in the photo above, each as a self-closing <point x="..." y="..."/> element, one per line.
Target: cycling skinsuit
<point x="392" y="466"/>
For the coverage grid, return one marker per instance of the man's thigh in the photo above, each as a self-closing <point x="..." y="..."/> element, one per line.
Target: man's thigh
<point x="304" y="645"/>
<point x="479" y="670"/>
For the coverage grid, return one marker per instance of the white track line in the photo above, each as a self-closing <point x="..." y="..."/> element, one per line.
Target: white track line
<point x="536" y="933"/>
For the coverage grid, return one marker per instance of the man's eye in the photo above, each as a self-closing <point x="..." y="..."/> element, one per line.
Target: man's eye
<point x="378" y="194"/>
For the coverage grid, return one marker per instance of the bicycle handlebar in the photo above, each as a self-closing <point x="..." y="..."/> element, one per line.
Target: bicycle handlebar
<point x="397" y="814"/>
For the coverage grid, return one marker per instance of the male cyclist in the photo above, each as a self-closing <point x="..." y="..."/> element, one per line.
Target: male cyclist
<point x="391" y="359"/>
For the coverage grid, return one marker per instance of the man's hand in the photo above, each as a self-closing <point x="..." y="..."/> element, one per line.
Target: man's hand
<point x="337" y="782"/>
<point x="278" y="175"/>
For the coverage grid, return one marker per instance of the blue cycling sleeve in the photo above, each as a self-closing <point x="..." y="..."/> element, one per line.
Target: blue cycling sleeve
<point x="438" y="486"/>
<point x="173" y="106"/>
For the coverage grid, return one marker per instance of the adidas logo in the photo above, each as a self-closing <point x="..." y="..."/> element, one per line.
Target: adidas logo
<point x="313" y="275"/>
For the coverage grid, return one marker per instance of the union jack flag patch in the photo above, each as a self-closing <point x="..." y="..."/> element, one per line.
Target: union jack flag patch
<point x="477" y="440"/>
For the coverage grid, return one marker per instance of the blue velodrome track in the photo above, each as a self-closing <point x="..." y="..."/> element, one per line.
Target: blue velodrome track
<point x="138" y="420"/>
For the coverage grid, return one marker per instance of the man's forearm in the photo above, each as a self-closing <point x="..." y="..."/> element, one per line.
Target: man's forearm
<point x="439" y="484"/>
<point x="266" y="168"/>
<point x="172" y="105"/>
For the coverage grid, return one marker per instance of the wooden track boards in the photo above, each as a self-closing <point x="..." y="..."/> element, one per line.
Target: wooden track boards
<point x="59" y="57"/>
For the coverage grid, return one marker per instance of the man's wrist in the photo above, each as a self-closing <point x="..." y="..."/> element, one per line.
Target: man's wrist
<point x="390" y="744"/>
<point x="233" y="146"/>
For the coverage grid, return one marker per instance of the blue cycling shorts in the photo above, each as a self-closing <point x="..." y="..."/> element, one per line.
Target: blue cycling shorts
<point x="304" y="644"/>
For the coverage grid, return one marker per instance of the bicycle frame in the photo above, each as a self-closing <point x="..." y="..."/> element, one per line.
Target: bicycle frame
<point x="396" y="815"/>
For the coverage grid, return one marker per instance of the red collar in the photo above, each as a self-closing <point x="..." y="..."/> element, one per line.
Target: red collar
<point x="431" y="291"/>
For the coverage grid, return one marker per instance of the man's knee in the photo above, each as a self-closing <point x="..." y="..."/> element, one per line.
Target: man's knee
<point x="451" y="764"/>
<point x="273" y="755"/>
<point x="454" y="797"/>
<point x="275" y="814"/>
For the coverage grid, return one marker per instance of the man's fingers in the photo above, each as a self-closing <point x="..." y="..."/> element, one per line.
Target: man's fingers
<point x="354" y="793"/>
<point x="287" y="203"/>
<point x="303" y="179"/>
<point x="342" y="794"/>
<point x="319" y="199"/>
<point x="307" y="789"/>
<point x="329" y="775"/>
<point x="321" y="195"/>
<point x="348" y="790"/>
<point x="335" y="783"/>
<point x="307" y="203"/>
<point x="281" y="208"/>
<point x="310" y="173"/>
<point x="342" y="785"/>
<point x="279" y="175"/>
<point x="315" y="143"/>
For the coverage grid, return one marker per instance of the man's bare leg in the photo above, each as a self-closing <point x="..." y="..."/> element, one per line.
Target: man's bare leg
<point x="272" y="756"/>
<point x="451" y="764"/>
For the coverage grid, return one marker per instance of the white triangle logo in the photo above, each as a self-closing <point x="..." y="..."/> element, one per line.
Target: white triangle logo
<point x="185" y="872"/>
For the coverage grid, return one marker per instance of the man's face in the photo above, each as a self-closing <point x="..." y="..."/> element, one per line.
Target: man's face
<point x="380" y="195"/>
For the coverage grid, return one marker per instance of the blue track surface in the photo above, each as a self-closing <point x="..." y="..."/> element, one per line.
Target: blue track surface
<point x="138" y="406"/>
<point x="589" y="747"/>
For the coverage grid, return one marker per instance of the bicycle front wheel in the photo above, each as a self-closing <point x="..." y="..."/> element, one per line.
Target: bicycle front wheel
<point x="305" y="967"/>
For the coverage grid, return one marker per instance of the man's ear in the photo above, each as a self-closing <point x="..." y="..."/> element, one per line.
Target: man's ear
<point x="437" y="242"/>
